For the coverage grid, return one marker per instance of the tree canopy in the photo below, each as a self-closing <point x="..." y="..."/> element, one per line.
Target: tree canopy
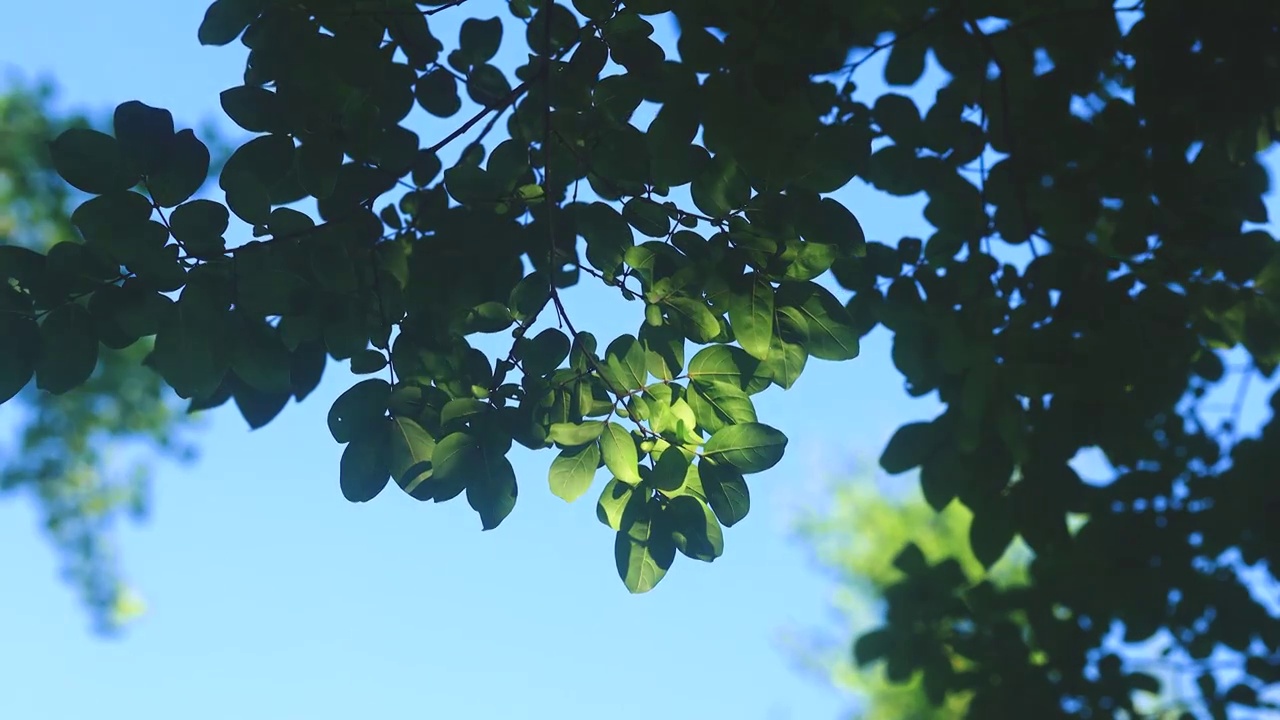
<point x="1116" y="146"/>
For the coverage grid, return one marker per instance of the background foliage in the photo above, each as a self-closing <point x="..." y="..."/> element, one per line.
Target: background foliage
<point x="1091" y="173"/>
<point x="84" y="458"/>
<point x="856" y="536"/>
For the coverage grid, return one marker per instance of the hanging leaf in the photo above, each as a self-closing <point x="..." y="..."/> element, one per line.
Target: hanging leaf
<point x="726" y="491"/>
<point x="92" y="162"/>
<point x="364" y="468"/>
<point x="410" y="450"/>
<point x="751" y="314"/>
<point x="573" y="470"/>
<point x="359" y="410"/>
<point x="619" y="452"/>
<point x="69" y="344"/>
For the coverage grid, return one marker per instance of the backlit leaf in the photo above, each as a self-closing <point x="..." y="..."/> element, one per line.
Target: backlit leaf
<point x="359" y="409"/>
<point x="620" y="455"/>
<point x="573" y="470"/>
<point x="749" y="447"/>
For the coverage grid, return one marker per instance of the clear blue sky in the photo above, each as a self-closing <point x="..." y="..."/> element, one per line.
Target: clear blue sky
<point x="271" y="597"/>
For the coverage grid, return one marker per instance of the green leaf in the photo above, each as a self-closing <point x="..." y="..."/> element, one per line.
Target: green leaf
<point x="785" y="362"/>
<point x="722" y="363"/>
<point x="720" y="188"/>
<point x="910" y="446"/>
<point x="199" y="225"/>
<point x="607" y="234"/>
<point x="459" y="411"/>
<point x="700" y="325"/>
<point x="643" y="553"/>
<point x="717" y="404"/>
<point x="69" y="349"/>
<point x="226" y="19"/>
<point x="17" y="353"/>
<point x="545" y="352"/>
<point x="143" y="133"/>
<point x="647" y="216"/>
<point x="408" y="28"/>
<point x="595" y="9"/>
<point x="487" y="86"/>
<point x="306" y="367"/>
<point x="830" y="223"/>
<point x="115" y="223"/>
<point x="872" y="646"/>
<point x="491" y="489"/>
<point x="694" y="528"/>
<point x="835" y="154"/>
<point x="255" y="109"/>
<point x="319" y="161"/>
<point x="364" y="469"/>
<point x="940" y="480"/>
<point x="664" y="350"/>
<point x="726" y="491"/>
<point x="410" y="450"/>
<point x="670" y="470"/>
<point x="190" y="346"/>
<point x="257" y="407"/>
<point x="830" y="332"/>
<point x="625" y="361"/>
<point x="529" y="297"/>
<point x="426" y="166"/>
<point x="471" y="185"/>
<point x="898" y="116"/>
<point x="437" y="93"/>
<point x="906" y="59"/>
<point x="359" y="409"/>
<point x="620" y="455"/>
<point x="751" y="314"/>
<point x="573" y="470"/>
<point x="454" y="460"/>
<point x="92" y="161"/>
<point x="575" y="434"/>
<point x="185" y="168"/>
<point x="368" y="361"/>
<point x="262" y="164"/>
<point x="991" y="531"/>
<point x="479" y="39"/>
<point x="749" y="447"/>
<point x="260" y="358"/>
<point x="617" y="501"/>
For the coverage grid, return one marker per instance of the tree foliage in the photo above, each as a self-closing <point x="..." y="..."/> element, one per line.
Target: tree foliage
<point x="82" y="457"/>
<point x="1116" y="146"/>
<point x="867" y="538"/>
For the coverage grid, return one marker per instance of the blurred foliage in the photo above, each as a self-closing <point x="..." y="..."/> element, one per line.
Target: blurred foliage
<point x="84" y="459"/>
<point x="856" y="535"/>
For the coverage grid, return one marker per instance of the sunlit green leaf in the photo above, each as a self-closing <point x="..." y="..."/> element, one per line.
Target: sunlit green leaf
<point x="410" y="450"/>
<point x="620" y="455"/>
<point x="749" y="447"/>
<point x="573" y="470"/>
<point x="751" y="314"/>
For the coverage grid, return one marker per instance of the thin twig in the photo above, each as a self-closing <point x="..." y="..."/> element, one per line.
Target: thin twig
<point x="511" y="97"/>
